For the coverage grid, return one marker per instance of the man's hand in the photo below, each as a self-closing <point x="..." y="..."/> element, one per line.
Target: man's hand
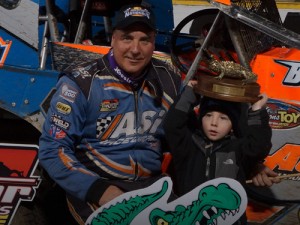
<point x="264" y="176"/>
<point x="110" y="193"/>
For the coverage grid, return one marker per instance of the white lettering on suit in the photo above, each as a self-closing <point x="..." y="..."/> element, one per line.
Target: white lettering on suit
<point x="150" y="121"/>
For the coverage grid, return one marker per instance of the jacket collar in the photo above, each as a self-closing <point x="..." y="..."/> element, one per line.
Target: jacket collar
<point x="203" y="143"/>
<point x="151" y="77"/>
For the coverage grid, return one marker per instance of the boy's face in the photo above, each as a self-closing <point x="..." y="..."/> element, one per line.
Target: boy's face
<point x="216" y="125"/>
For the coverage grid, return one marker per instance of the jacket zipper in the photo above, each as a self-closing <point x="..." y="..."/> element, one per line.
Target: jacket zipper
<point x="207" y="168"/>
<point x="136" y="127"/>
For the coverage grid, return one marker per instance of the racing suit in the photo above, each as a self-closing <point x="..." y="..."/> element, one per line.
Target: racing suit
<point x="100" y="129"/>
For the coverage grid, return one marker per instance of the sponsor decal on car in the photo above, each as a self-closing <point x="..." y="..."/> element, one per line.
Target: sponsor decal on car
<point x="17" y="180"/>
<point x="4" y="49"/>
<point x="283" y="115"/>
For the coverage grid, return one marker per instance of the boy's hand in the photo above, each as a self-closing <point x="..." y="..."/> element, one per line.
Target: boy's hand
<point x="192" y="83"/>
<point x="260" y="103"/>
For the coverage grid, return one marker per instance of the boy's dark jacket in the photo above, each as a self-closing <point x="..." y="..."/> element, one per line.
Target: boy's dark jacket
<point x="196" y="160"/>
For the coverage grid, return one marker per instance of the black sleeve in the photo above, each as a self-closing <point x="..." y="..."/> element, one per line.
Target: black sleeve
<point x="96" y="191"/>
<point x="176" y="124"/>
<point x="257" y="141"/>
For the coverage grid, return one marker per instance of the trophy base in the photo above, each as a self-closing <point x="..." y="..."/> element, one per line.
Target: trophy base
<point x="227" y="89"/>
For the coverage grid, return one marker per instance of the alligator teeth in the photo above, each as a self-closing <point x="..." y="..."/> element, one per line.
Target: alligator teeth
<point x="227" y="212"/>
<point x="233" y="212"/>
<point x="197" y="223"/>
<point x="206" y="214"/>
<point x="223" y="215"/>
<point x="214" y="209"/>
<point x="215" y="222"/>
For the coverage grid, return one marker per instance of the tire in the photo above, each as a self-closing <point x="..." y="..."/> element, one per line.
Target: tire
<point x="29" y="214"/>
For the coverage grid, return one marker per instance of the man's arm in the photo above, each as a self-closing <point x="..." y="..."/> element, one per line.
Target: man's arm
<point x="264" y="176"/>
<point x="110" y="193"/>
<point x="62" y="131"/>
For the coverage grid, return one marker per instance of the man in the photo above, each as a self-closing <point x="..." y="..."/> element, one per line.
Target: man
<point x="103" y="134"/>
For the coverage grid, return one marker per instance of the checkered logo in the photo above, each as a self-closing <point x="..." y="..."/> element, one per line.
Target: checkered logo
<point x="102" y="125"/>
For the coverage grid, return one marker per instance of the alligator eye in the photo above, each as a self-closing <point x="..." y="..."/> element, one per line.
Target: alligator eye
<point x="204" y="194"/>
<point x="162" y="222"/>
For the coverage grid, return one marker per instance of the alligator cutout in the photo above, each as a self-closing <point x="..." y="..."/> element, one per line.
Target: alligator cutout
<point x="219" y="201"/>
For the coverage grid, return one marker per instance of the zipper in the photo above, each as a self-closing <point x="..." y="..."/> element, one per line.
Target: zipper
<point x="136" y="109"/>
<point x="135" y="94"/>
<point x="208" y="153"/>
<point x="207" y="167"/>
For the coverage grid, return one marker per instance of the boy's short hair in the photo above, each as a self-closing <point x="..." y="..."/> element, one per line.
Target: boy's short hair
<point x="231" y="109"/>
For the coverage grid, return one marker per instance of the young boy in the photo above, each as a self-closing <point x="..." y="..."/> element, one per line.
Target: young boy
<point x="214" y="147"/>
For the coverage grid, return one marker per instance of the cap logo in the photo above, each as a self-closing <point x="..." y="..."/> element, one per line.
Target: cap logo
<point x="137" y="11"/>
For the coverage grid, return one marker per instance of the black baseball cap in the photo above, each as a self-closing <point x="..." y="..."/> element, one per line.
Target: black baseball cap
<point x="134" y="13"/>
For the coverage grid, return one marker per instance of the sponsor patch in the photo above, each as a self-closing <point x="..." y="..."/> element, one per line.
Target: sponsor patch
<point x="83" y="72"/>
<point x="137" y="11"/>
<point x="68" y="93"/>
<point x="102" y="125"/>
<point x="58" y="121"/>
<point x="63" y="108"/>
<point x="57" y="132"/>
<point x="109" y="105"/>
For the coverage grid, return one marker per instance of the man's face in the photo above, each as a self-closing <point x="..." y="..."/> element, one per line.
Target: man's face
<point x="133" y="48"/>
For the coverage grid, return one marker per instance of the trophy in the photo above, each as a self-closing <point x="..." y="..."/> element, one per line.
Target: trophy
<point x="233" y="82"/>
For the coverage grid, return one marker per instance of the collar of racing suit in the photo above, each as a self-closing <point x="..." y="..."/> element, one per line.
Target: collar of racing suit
<point x="149" y="75"/>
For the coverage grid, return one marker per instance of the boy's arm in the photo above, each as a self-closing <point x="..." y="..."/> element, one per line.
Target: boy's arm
<point x="257" y="140"/>
<point x="262" y="175"/>
<point x="187" y="98"/>
<point x="176" y="122"/>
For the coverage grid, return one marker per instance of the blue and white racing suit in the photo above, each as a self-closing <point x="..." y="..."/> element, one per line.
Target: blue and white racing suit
<point x="99" y="129"/>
